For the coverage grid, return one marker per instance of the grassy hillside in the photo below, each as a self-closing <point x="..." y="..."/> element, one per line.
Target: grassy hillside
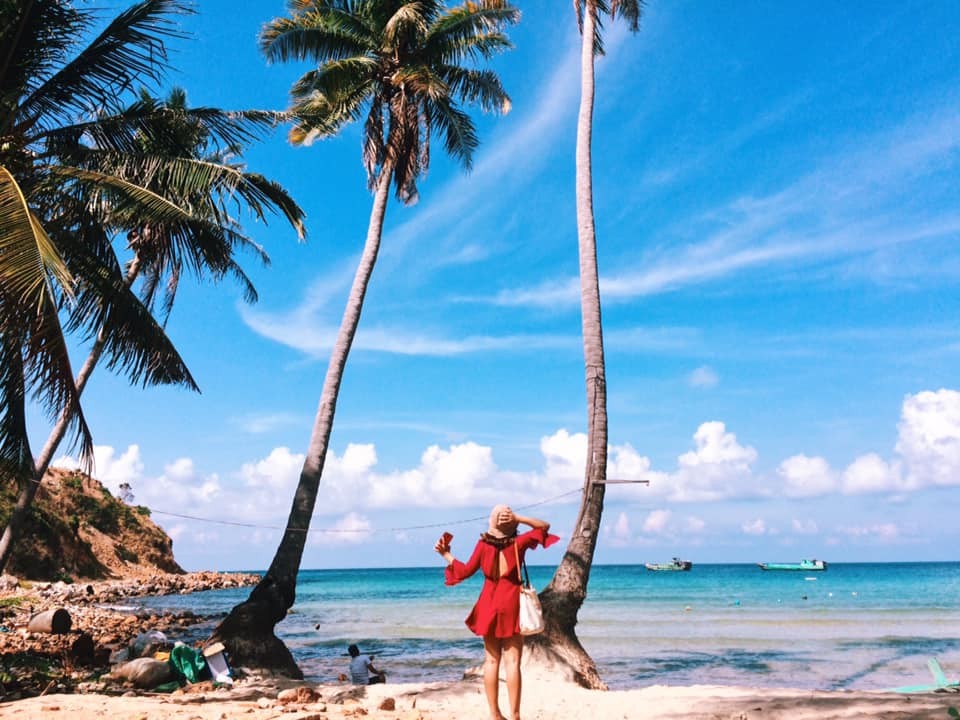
<point x="77" y="529"/>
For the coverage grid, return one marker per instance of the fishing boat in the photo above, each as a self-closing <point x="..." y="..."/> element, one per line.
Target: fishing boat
<point x="808" y="565"/>
<point x="673" y="565"/>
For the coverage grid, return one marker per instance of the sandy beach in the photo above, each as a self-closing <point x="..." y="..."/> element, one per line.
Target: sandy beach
<point x="546" y="696"/>
<point x="543" y="700"/>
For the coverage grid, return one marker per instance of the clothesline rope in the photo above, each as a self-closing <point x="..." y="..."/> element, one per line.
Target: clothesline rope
<point x="428" y="526"/>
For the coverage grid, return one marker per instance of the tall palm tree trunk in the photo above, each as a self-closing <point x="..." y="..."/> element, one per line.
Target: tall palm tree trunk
<point x="247" y="632"/>
<point x="566" y="592"/>
<point x="42" y="463"/>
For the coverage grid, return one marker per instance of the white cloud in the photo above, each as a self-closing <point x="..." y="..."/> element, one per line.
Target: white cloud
<point x="703" y="377"/>
<point x="929" y="438"/>
<point x="871" y="474"/>
<point x="110" y="468"/>
<point x="351" y="529"/>
<point x="656" y="522"/>
<point x="805" y="527"/>
<point x="718" y="468"/>
<point x="279" y="471"/>
<point x="883" y="532"/>
<point x="694" y="525"/>
<point x="805" y="476"/>
<point x="257" y="424"/>
<point x="620" y="532"/>
<point x="754" y="527"/>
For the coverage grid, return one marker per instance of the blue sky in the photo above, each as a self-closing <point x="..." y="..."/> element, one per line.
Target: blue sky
<point x="778" y="210"/>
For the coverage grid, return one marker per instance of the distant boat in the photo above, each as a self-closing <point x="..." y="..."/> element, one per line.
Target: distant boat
<point x="673" y="565"/>
<point x="809" y="565"/>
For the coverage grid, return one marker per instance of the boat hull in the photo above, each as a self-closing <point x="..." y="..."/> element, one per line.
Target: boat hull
<point x="803" y="565"/>
<point x="675" y="566"/>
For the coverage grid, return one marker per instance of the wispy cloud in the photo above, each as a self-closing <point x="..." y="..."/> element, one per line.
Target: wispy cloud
<point x="856" y="202"/>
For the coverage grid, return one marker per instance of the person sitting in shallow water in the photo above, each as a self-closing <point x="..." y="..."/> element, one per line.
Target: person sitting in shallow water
<point x="362" y="671"/>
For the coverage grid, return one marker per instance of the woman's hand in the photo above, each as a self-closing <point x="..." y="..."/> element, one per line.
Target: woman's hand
<point x="442" y="547"/>
<point x="533" y="522"/>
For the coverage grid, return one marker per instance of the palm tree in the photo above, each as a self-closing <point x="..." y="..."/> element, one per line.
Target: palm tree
<point x="399" y="63"/>
<point x="564" y="596"/>
<point x="183" y="156"/>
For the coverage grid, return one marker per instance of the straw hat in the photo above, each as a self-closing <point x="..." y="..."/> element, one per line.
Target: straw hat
<point x="501" y="531"/>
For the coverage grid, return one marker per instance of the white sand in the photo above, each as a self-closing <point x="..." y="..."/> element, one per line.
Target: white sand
<point x="542" y="700"/>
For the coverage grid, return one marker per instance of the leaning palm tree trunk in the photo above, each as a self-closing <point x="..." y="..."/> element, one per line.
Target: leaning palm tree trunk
<point x="247" y="632"/>
<point x="566" y="592"/>
<point x="41" y="464"/>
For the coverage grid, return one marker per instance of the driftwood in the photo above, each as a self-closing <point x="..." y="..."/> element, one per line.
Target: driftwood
<point x="56" y="621"/>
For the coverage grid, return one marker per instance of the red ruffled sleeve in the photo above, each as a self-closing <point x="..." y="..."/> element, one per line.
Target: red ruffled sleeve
<point x="537" y="536"/>
<point x="458" y="571"/>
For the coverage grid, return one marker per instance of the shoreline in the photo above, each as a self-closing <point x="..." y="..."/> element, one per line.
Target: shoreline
<point x="544" y="699"/>
<point x="78" y="696"/>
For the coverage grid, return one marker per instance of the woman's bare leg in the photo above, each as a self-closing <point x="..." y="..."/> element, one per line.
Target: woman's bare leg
<point x="491" y="674"/>
<point x="512" y="654"/>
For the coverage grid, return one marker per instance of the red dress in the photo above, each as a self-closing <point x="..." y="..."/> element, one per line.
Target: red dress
<point x="497" y="611"/>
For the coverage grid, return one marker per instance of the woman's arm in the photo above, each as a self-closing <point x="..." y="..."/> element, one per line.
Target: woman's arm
<point x="535" y="523"/>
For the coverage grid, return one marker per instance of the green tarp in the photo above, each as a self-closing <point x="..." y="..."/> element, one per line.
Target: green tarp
<point x="188" y="663"/>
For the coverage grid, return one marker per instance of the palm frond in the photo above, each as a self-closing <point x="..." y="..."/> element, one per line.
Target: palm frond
<point x="406" y="23"/>
<point x="458" y="130"/>
<point x="473" y="20"/>
<point x="130" y="129"/>
<point x="320" y="34"/>
<point x="46" y="363"/>
<point x="629" y="10"/>
<point x="133" y="341"/>
<point x="26" y="253"/>
<point x="130" y="50"/>
<point x="16" y="459"/>
<point x="336" y="77"/>
<point x="322" y="116"/>
<point x="482" y="87"/>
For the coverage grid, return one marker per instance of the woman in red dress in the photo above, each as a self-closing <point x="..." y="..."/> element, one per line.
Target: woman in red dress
<point x="496" y="616"/>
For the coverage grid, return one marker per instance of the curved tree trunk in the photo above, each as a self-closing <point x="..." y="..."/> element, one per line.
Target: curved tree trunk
<point x="42" y="463"/>
<point x="247" y="632"/>
<point x="566" y="592"/>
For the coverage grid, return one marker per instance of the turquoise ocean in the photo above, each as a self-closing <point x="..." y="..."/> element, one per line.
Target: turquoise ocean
<point x="865" y="626"/>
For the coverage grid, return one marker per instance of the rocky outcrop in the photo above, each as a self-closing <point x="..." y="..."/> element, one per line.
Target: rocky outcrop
<point x="76" y="529"/>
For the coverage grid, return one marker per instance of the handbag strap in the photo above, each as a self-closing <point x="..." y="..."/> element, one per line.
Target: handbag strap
<point x="525" y="579"/>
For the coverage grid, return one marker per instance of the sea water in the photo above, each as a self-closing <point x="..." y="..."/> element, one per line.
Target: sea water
<point x="866" y="626"/>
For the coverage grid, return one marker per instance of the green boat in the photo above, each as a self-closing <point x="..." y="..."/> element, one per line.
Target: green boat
<point x="673" y="565"/>
<point x="809" y="565"/>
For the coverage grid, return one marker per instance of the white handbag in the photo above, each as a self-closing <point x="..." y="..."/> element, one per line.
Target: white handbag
<point x="531" y="614"/>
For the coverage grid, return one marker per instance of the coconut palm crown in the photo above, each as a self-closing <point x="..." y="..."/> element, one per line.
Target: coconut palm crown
<point x="400" y="65"/>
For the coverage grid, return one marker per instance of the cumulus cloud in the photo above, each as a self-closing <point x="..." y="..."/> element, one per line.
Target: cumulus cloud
<point x="929" y="438"/>
<point x="871" y="474"/>
<point x="805" y="476"/>
<point x="927" y="454"/>
<point x="804" y="527"/>
<point x="656" y="522"/>
<point x="110" y="468"/>
<point x="351" y="529"/>
<point x="619" y="533"/>
<point x="719" y="467"/>
<point x="755" y="527"/>
<point x="703" y="377"/>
